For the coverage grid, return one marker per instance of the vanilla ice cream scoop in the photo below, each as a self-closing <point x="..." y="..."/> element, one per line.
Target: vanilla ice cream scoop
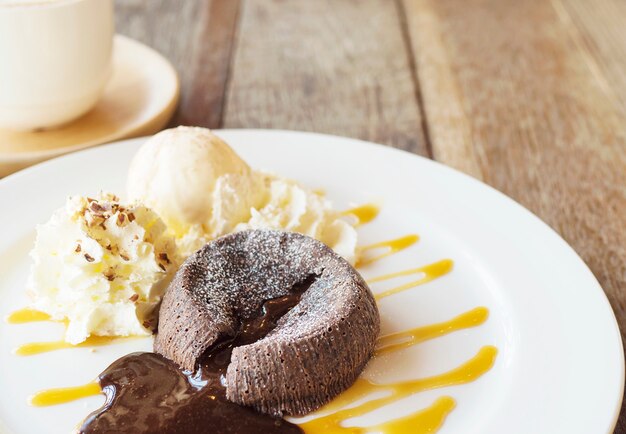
<point x="202" y="189"/>
<point x="181" y="173"/>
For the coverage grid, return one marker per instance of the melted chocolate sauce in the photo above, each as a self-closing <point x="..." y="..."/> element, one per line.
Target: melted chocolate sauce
<point x="147" y="393"/>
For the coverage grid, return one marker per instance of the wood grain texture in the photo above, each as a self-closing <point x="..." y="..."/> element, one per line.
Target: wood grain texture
<point x="329" y="66"/>
<point x="196" y="36"/>
<point x="603" y="38"/>
<point x="602" y="26"/>
<point x="534" y="113"/>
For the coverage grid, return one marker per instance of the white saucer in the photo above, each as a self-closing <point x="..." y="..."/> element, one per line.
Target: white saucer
<point x="139" y="99"/>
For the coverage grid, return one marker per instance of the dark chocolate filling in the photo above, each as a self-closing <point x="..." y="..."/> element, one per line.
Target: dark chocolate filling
<point x="147" y="393"/>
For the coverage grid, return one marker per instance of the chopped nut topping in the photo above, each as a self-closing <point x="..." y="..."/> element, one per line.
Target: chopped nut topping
<point x="124" y="257"/>
<point x="134" y="298"/>
<point x="78" y="248"/>
<point x="94" y="220"/>
<point x="163" y="257"/>
<point x="120" y="219"/>
<point x="109" y="274"/>
<point x="96" y="207"/>
<point x="89" y="219"/>
<point x="131" y="217"/>
<point x="162" y="267"/>
<point x="89" y="258"/>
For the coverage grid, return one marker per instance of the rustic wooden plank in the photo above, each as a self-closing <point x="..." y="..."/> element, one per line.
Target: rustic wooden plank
<point x="602" y="25"/>
<point x="446" y="119"/>
<point x="196" y="36"/>
<point x="535" y="114"/>
<point x="328" y="66"/>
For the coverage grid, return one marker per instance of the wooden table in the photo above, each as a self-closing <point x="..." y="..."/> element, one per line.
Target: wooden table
<point x="528" y="96"/>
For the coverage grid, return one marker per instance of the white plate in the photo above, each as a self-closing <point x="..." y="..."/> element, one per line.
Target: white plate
<point x="560" y="366"/>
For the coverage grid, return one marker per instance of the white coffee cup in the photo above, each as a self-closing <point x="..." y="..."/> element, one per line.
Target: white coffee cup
<point x="55" y="58"/>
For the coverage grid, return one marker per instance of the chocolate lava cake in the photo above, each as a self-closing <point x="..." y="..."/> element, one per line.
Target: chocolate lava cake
<point x="316" y="349"/>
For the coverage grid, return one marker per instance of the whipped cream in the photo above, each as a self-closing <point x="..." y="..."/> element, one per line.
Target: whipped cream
<point x="102" y="266"/>
<point x="292" y="207"/>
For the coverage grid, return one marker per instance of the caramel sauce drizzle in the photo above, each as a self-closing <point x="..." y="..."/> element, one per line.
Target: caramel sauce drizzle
<point x="390" y="247"/>
<point x="64" y="394"/>
<point x="34" y="348"/>
<point x="408" y="338"/>
<point x="424" y="421"/>
<point x="331" y="423"/>
<point x="362" y="387"/>
<point x="363" y="214"/>
<point x="429" y="272"/>
<point x="27" y="315"/>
